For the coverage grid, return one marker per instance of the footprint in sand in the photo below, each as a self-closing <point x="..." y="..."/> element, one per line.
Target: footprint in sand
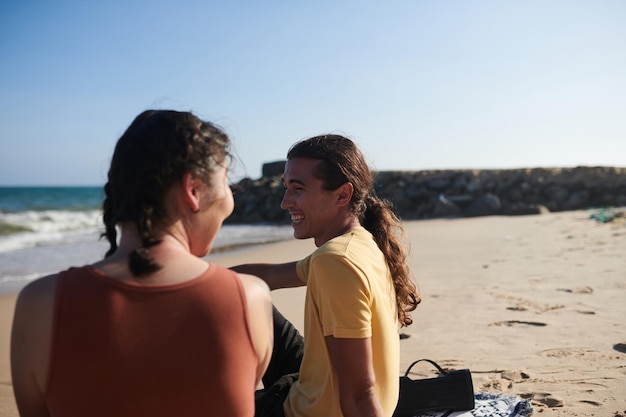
<point x="620" y="347"/>
<point x="517" y="308"/>
<point x="568" y="352"/>
<point x="547" y="399"/>
<point x="591" y="402"/>
<point x="579" y="290"/>
<point x="511" y="323"/>
<point x="515" y="375"/>
<point x="524" y="304"/>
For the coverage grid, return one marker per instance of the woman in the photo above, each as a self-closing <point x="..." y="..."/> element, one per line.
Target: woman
<point x="152" y="329"/>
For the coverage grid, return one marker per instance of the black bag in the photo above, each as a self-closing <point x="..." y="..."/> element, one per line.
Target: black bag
<point x="451" y="390"/>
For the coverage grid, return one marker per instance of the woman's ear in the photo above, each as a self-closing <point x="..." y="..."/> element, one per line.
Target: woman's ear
<point x="191" y="192"/>
<point x="344" y="195"/>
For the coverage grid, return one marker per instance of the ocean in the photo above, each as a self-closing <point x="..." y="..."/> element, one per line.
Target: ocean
<point x="47" y="229"/>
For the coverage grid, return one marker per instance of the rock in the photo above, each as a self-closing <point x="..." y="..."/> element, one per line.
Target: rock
<point x="438" y="184"/>
<point x="445" y="208"/>
<point x="455" y="193"/>
<point x="577" y="199"/>
<point x="485" y="205"/>
<point x="273" y="169"/>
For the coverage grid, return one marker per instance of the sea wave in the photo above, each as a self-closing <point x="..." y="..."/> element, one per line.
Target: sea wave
<point x="33" y="228"/>
<point x="56" y="248"/>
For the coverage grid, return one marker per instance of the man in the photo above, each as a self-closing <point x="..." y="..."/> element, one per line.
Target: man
<point x="359" y="290"/>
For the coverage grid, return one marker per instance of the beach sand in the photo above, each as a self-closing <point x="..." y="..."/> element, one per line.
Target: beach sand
<point x="532" y="305"/>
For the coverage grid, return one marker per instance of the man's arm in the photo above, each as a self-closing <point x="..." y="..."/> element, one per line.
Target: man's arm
<point x="352" y="362"/>
<point x="275" y="275"/>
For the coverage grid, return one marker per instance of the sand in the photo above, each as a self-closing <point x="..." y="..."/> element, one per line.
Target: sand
<point x="532" y="305"/>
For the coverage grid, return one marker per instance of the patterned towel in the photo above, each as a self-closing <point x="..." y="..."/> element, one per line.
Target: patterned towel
<point x="489" y="405"/>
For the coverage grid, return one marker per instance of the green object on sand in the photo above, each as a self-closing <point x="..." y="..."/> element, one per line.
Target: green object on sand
<point x="607" y="215"/>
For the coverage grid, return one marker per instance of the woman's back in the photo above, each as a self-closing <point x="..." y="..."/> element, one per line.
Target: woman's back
<point x="122" y="349"/>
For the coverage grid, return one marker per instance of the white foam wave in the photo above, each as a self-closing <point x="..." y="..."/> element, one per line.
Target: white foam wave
<point x="44" y="227"/>
<point x="57" y="249"/>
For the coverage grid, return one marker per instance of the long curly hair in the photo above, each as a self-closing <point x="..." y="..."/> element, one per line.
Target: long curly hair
<point x="157" y="149"/>
<point x="341" y="162"/>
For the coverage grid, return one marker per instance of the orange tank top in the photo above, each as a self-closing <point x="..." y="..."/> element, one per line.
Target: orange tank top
<point x="120" y="349"/>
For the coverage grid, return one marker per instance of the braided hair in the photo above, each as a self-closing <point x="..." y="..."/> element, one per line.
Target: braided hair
<point x="341" y="162"/>
<point x="156" y="150"/>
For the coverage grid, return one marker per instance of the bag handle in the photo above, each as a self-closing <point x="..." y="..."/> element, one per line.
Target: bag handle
<point x="441" y="370"/>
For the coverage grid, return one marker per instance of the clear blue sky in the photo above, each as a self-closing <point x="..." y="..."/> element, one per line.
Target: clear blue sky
<point x="417" y="84"/>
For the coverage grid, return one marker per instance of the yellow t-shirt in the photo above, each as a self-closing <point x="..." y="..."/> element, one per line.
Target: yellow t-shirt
<point x="349" y="295"/>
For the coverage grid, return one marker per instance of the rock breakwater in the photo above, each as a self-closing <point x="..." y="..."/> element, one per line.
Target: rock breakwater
<point x="455" y="193"/>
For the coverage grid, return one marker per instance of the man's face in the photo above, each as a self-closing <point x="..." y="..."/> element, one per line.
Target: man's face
<point x="314" y="211"/>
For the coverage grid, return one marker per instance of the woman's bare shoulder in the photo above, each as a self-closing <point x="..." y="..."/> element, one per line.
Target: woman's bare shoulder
<point x="39" y="289"/>
<point x="253" y="283"/>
